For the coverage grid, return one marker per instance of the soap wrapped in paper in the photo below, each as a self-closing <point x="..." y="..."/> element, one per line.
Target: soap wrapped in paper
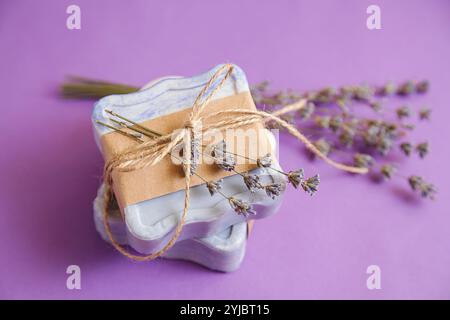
<point x="151" y="199"/>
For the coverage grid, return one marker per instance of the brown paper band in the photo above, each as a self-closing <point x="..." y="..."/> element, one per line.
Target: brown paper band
<point x="165" y="177"/>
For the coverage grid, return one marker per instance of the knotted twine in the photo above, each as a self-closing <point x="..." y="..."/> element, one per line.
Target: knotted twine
<point x="152" y="151"/>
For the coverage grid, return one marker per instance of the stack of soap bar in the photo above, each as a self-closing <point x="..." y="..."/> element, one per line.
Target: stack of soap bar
<point x="213" y="234"/>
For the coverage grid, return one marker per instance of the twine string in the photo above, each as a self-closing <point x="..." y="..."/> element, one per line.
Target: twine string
<point x="153" y="151"/>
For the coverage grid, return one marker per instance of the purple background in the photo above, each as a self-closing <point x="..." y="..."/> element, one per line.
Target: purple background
<point x="315" y="247"/>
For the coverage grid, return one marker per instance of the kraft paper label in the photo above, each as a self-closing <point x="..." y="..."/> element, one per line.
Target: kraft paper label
<point x="166" y="177"/>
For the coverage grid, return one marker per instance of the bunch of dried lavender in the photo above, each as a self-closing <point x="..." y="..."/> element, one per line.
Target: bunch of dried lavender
<point x="338" y="122"/>
<point x="330" y="114"/>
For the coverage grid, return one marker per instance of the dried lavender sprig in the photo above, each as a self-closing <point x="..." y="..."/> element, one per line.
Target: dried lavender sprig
<point x="361" y="93"/>
<point x="122" y="132"/>
<point x="83" y="88"/>
<point x="328" y="95"/>
<point x="294" y="177"/>
<point x="241" y="207"/>
<point x="416" y="183"/>
<point x="252" y="182"/>
<point x="378" y="135"/>
<point x="273" y="190"/>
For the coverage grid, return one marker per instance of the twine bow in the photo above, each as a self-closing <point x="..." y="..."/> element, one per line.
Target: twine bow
<point x="151" y="152"/>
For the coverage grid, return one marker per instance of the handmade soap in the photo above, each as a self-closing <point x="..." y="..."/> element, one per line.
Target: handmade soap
<point x="150" y="213"/>
<point x="223" y="251"/>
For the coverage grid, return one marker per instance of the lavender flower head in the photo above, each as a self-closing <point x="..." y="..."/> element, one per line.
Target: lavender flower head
<point x="414" y="182"/>
<point x="323" y="146"/>
<point x="251" y="181"/>
<point x="194" y="159"/>
<point x="362" y="160"/>
<point x="241" y="207"/>
<point x="386" y="90"/>
<point x="403" y="112"/>
<point x="307" y="111"/>
<point x="346" y="137"/>
<point x="387" y="171"/>
<point x="384" y="145"/>
<point x="296" y="177"/>
<point x="405" y="88"/>
<point x="214" y="186"/>
<point x="424" y="114"/>
<point x="406" y="148"/>
<point x="422" y="149"/>
<point x="422" y="86"/>
<point x="222" y="158"/>
<point x="426" y="190"/>
<point x="264" y="162"/>
<point x="335" y="123"/>
<point x="273" y="190"/>
<point x="195" y="155"/>
<point x="311" y="185"/>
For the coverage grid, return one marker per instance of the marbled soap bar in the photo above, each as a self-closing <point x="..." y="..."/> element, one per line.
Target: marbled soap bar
<point x="223" y="251"/>
<point x="149" y="224"/>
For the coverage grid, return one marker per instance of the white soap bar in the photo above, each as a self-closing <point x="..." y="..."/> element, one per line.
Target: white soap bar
<point x="223" y="251"/>
<point x="150" y="223"/>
